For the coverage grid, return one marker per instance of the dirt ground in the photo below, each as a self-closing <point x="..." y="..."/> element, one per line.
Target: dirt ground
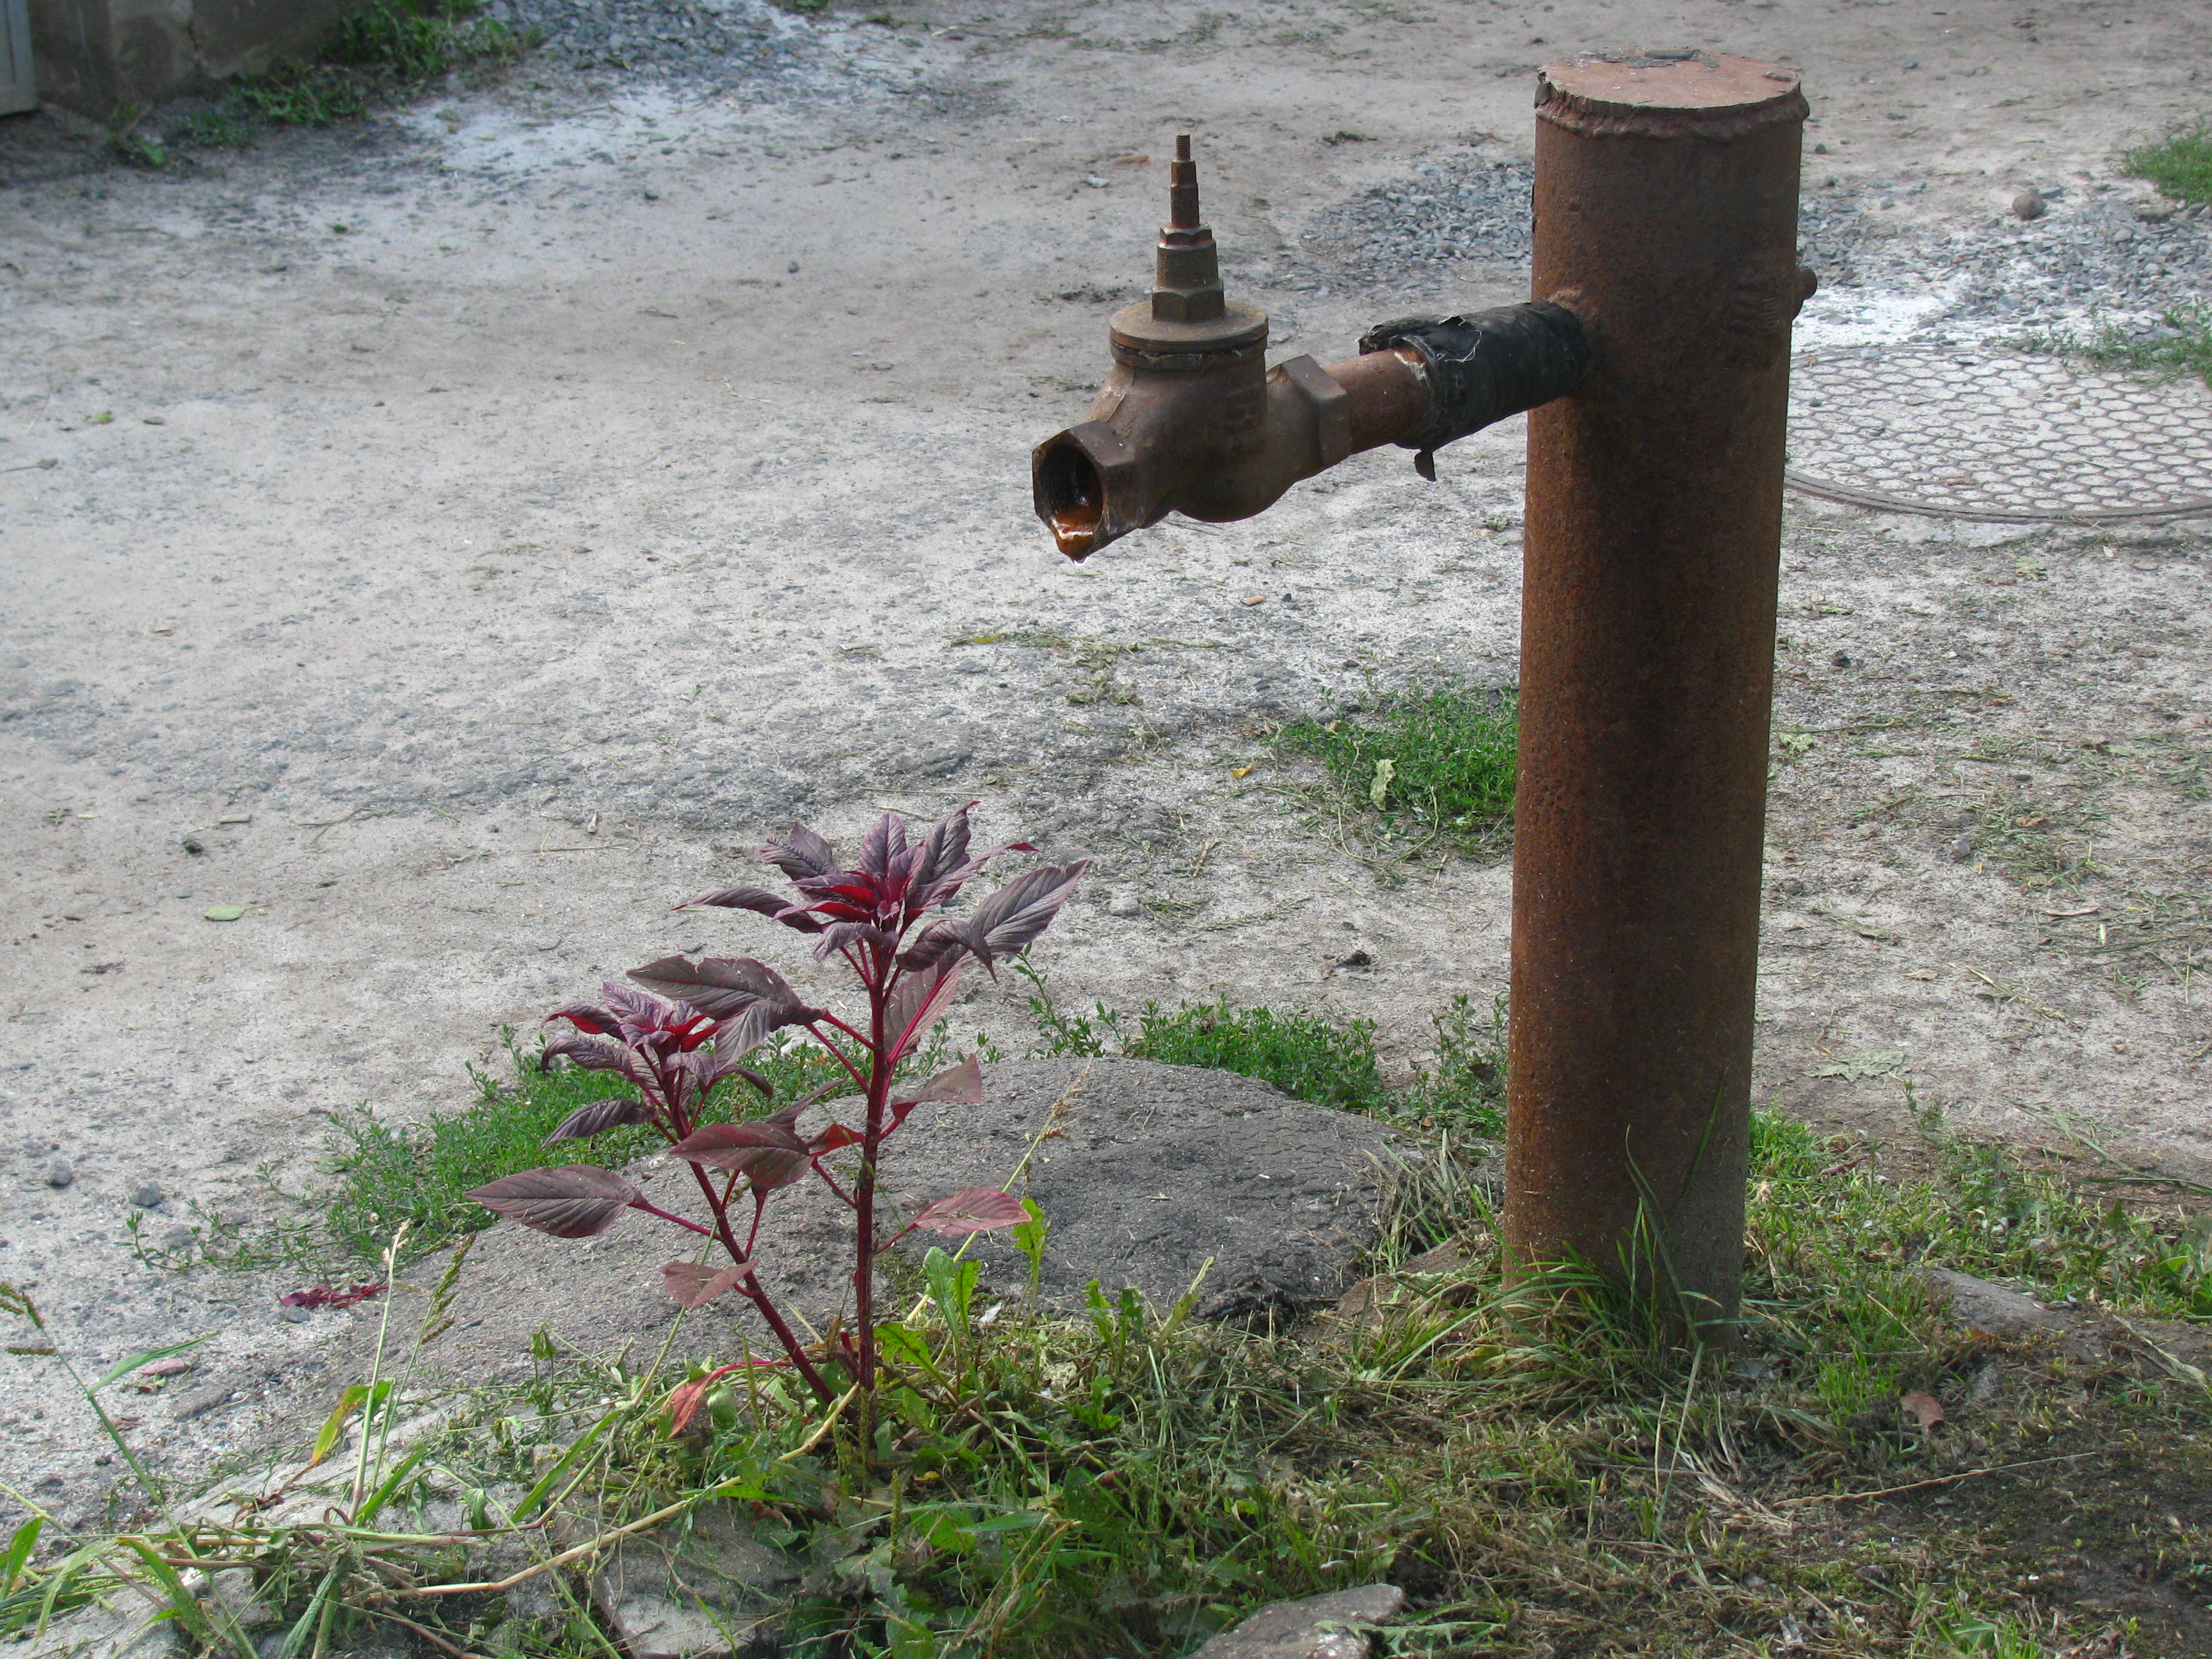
<point x="470" y="529"/>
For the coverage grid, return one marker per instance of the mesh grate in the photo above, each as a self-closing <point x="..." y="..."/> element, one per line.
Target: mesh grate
<point x="2004" y="436"/>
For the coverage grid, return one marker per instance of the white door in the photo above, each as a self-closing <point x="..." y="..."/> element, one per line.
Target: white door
<point x="19" y="88"/>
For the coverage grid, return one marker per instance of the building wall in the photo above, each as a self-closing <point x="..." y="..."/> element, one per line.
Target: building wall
<point x="96" y="56"/>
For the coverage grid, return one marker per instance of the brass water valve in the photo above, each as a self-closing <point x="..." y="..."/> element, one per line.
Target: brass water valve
<point x="1191" y="420"/>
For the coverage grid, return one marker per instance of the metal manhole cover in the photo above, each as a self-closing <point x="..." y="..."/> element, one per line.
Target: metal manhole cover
<point x="2004" y="436"/>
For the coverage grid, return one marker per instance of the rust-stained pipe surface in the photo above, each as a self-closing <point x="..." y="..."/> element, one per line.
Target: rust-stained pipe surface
<point x="1666" y="213"/>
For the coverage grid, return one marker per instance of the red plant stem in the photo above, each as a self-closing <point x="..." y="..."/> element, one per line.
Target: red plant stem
<point x="639" y="1204"/>
<point x="864" y="1208"/>
<point x="784" y="1334"/>
<point x="838" y="1053"/>
<point x="856" y="1036"/>
<point x="831" y="1181"/>
<point x="751" y="1289"/>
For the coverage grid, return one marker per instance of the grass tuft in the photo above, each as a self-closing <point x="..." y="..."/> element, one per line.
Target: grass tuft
<point x="2180" y="343"/>
<point x="1307" y="1056"/>
<point x="1425" y="767"/>
<point x="2179" y="164"/>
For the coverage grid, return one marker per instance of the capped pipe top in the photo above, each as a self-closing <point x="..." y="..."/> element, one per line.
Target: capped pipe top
<point x="1660" y="94"/>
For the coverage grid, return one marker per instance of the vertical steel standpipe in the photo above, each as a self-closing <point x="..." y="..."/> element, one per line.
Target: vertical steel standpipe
<point x="1666" y="218"/>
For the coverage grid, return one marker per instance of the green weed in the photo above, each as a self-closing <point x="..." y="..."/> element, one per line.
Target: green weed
<point x="2038" y="844"/>
<point x="1306" y="1055"/>
<point x="2180" y="343"/>
<point x="2179" y="164"/>
<point x="391" y="50"/>
<point x="1425" y="767"/>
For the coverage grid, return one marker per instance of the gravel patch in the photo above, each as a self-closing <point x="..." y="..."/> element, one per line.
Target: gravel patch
<point x="745" y="45"/>
<point x="1453" y="209"/>
<point x="2100" y="249"/>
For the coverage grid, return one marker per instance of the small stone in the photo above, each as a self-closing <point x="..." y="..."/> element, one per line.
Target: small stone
<point x="1976" y="1304"/>
<point x="1293" y="1629"/>
<point x="294" y="1315"/>
<point x="146" y="1196"/>
<point x="1962" y="849"/>
<point x="200" y="1402"/>
<point x="1126" y="905"/>
<point x="1988" y="1384"/>
<point x="793" y="267"/>
<point x="2029" y="204"/>
<point x="1820" y="149"/>
<point x="685" y="1596"/>
<point x="59" y="1174"/>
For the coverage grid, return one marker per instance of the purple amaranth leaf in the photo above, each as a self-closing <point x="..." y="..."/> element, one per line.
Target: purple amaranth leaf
<point x="943" y="848"/>
<point x="917" y="1001"/>
<point x="801" y="852"/>
<point x="774" y="906"/>
<point x="961" y="1084"/>
<point x="844" y="895"/>
<point x="884" y="841"/>
<point x="770" y="1153"/>
<point x="593" y="1055"/>
<point x="692" y="1285"/>
<point x="329" y="1296"/>
<point x="978" y="1210"/>
<point x="726" y="1069"/>
<point x="598" y="1118"/>
<point x="945" y="866"/>
<point x="1010" y="918"/>
<point x="589" y="1052"/>
<point x="947" y="886"/>
<point x="585" y="1018"/>
<point x="931" y="945"/>
<point x="721" y="987"/>
<point x="635" y="1009"/>
<point x="739" y="1037"/>
<point x="573" y="1201"/>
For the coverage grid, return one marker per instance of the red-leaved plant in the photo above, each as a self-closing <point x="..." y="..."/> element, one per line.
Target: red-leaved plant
<point x="885" y="918"/>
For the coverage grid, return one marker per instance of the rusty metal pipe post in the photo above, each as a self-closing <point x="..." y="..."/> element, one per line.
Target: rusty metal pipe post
<point x="1666" y="217"/>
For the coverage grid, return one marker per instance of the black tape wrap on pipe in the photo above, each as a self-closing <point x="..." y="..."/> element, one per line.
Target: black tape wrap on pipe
<point x="1481" y="368"/>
